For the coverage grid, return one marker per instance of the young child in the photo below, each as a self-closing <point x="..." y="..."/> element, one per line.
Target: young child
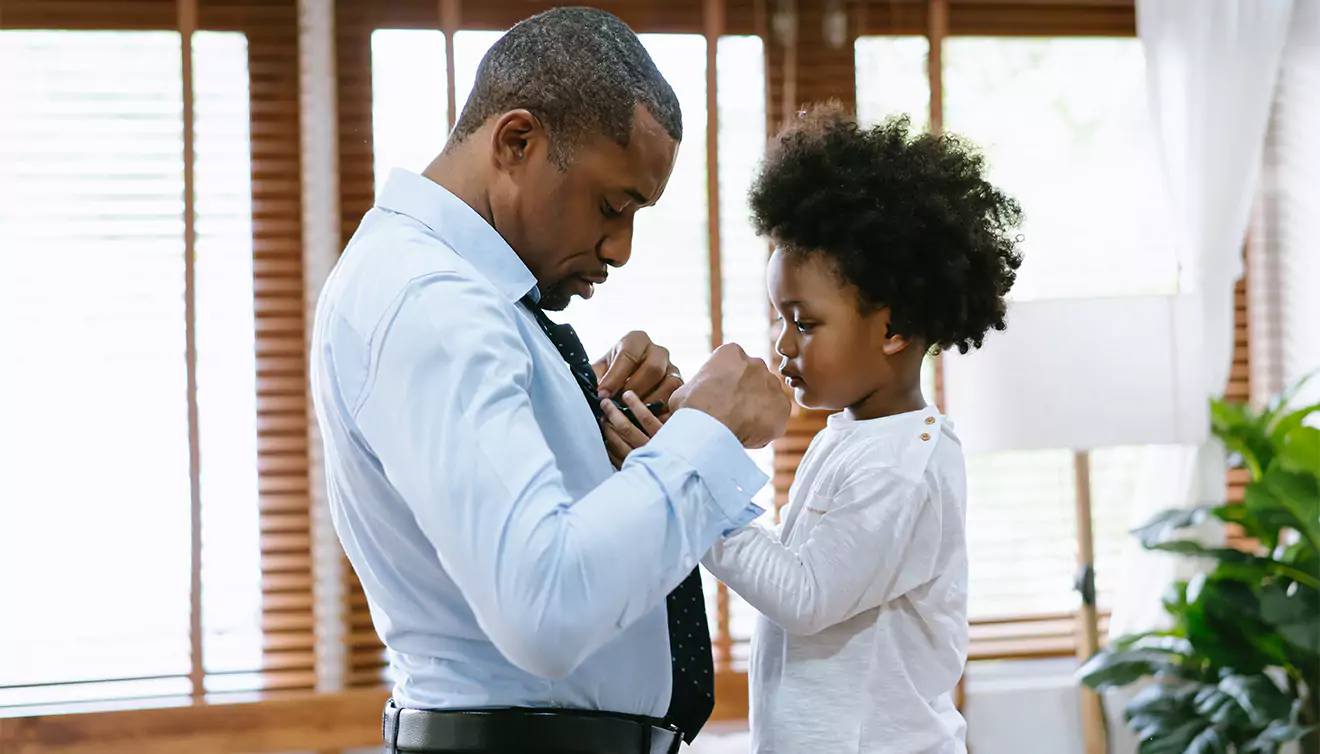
<point x="888" y="245"/>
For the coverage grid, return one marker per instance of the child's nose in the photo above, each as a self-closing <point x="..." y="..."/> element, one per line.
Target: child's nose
<point x="785" y="345"/>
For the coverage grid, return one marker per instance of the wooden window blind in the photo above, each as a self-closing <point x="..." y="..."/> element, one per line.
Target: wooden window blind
<point x="152" y="226"/>
<point x="802" y="62"/>
<point x="1284" y="265"/>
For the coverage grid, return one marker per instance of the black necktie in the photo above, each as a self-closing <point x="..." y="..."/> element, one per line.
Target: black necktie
<point x="693" y="696"/>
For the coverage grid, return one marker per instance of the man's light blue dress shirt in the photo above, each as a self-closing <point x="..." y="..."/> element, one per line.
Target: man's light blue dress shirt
<point x="505" y="561"/>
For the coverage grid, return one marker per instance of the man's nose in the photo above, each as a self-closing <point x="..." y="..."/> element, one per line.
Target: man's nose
<point x="616" y="248"/>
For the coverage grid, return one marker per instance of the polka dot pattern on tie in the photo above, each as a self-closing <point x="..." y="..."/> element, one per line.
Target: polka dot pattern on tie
<point x="693" y="696"/>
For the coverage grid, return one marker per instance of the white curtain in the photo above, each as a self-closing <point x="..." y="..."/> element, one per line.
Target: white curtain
<point x="1211" y="67"/>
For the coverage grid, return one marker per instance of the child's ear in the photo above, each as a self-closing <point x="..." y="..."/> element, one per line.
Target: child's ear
<point x="895" y="344"/>
<point x="892" y="343"/>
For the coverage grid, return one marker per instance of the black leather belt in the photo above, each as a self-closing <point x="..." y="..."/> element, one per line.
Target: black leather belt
<point x="525" y="731"/>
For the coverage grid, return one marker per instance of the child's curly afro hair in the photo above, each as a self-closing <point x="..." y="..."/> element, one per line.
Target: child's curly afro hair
<point x="909" y="219"/>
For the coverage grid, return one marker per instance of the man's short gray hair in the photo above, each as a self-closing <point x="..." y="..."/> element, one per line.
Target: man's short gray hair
<point x="580" y="71"/>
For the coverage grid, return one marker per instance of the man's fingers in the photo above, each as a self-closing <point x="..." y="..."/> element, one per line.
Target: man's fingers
<point x="615" y="446"/>
<point x="626" y="357"/>
<point x="614" y="419"/>
<point x="666" y="389"/>
<point x="650" y="423"/>
<point x="651" y="371"/>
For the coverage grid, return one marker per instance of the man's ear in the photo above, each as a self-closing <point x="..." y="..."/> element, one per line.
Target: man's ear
<point x="515" y="137"/>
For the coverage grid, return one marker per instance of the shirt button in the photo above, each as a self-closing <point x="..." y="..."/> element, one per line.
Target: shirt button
<point x="925" y="436"/>
<point x="930" y="420"/>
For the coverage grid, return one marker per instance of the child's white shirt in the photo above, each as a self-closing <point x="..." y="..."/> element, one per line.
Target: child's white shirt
<point x="862" y="591"/>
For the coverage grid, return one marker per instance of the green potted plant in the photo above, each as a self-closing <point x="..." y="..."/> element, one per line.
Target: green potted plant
<point x="1239" y="671"/>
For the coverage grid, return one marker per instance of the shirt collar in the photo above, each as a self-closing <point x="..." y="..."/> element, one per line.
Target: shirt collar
<point x="459" y="226"/>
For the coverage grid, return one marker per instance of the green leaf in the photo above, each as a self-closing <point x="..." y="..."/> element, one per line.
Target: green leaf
<point x="1170" y="738"/>
<point x="1279" y="403"/>
<point x="1243" y="431"/>
<point x="1302" y="556"/>
<point x="1295" y="615"/>
<point x="1290" y="422"/>
<point x="1244" y="516"/>
<point x="1262" y="514"/>
<point x="1295" y="498"/>
<point x="1175" y="600"/>
<point x="1164" y="642"/>
<point x="1247" y="566"/>
<point x="1212" y="740"/>
<point x="1114" y="669"/>
<point x="1116" y="666"/>
<point x="1301" y="450"/>
<point x="1218" y="707"/>
<point x="1282" y="732"/>
<point x="1277" y="733"/>
<point x="1224" y="625"/>
<point x="1257" y="695"/>
<point x="1160" y="700"/>
<point x="1163" y="524"/>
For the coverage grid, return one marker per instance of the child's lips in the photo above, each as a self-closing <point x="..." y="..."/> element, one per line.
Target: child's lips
<point x="793" y="380"/>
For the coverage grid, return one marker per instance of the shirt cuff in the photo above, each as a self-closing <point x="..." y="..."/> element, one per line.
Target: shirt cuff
<point x="730" y="475"/>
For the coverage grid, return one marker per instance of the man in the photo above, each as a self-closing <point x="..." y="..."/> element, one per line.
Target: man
<point x="532" y="598"/>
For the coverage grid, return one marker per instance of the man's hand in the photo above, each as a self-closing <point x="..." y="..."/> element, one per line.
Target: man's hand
<point x="621" y="436"/>
<point x="741" y="393"/>
<point x="639" y="365"/>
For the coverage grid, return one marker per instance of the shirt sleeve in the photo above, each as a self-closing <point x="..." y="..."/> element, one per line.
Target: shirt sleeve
<point x="549" y="579"/>
<point x="879" y="539"/>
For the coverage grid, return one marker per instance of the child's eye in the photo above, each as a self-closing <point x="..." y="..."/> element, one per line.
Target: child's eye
<point x="805" y="327"/>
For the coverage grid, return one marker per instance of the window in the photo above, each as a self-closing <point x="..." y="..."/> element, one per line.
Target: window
<point x="1060" y="121"/>
<point x="92" y="313"/>
<point x="892" y="79"/>
<point x="1063" y="125"/>
<point x="407" y="76"/>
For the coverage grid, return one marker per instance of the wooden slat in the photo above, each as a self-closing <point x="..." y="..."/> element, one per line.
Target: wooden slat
<point x="288" y="621"/>
<point x="288" y="660"/>
<point x="295" y="501"/>
<point x="297" y="600"/>
<point x="187" y="24"/>
<point x="280" y="723"/>
<point x="286" y="562"/>
<point x="117" y="15"/>
<point x="282" y="642"/>
<point x="286" y="582"/>
<point x="273" y="523"/>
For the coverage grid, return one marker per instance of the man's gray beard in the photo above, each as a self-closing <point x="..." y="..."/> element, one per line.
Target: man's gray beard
<point x="556" y="298"/>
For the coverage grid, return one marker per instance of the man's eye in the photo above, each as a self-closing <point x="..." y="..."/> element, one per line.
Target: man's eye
<point x="609" y="211"/>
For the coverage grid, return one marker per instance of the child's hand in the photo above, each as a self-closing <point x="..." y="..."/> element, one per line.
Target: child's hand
<point x="622" y="436"/>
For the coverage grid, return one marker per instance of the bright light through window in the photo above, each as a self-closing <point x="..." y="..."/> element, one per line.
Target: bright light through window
<point x="94" y="480"/>
<point x="409" y="103"/>
<point x="1064" y="125"/>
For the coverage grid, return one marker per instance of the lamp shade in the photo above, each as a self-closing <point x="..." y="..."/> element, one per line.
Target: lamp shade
<point x="1082" y="374"/>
